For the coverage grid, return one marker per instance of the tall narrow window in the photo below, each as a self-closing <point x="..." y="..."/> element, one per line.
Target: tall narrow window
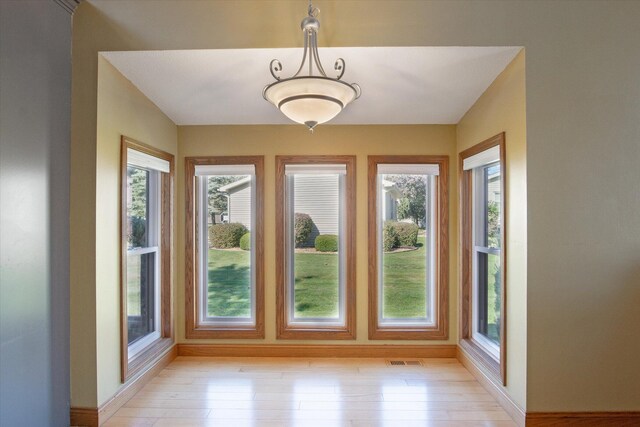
<point x="486" y="256"/>
<point x="406" y="230"/>
<point x="143" y="249"/>
<point x="315" y="257"/>
<point x="226" y="260"/>
<point x="482" y="192"/>
<point x="146" y="246"/>
<point x="226" y="217"/>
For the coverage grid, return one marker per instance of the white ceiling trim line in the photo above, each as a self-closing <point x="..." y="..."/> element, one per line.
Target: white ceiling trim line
<point x="400" y="85"/>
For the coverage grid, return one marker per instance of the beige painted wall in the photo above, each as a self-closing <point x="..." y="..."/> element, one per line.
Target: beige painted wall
<point x="583" y="275"/>
<point x="122" y="110"/>
<point x="296" y="140"/>
<point x="502" y="109"/>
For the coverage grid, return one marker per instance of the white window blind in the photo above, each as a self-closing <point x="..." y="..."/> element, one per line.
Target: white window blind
<point x="146" y="161"/>
<point x="315" y="169"/>
<point x="408" y="169"/>
<point x="203" y="170"/>
<point x="483" y="158"/>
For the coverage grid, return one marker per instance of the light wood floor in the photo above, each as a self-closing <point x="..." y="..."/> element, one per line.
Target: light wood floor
<point x="235" y="392"/>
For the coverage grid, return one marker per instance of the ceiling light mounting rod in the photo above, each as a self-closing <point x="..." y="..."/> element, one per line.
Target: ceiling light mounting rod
<point x="313" y="98"/>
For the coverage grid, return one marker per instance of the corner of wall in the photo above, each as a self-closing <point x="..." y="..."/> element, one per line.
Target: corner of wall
<point x="122" y="109"/>
<point x="501" y="108"/>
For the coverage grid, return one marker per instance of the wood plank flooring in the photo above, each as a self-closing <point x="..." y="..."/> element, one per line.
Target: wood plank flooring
<point x="237" y="392"/>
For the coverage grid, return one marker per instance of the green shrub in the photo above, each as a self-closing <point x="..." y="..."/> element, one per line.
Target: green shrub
<point x="327" y="243"/>
<point x="137" y="232"/>
<point x="245" y="242"/>
<point x="389" y="236"/>
<point x="224" y="236"/>
<point x="396" y="234"/>
<point x="303" y="224"/>
<point x="407" y="233"/>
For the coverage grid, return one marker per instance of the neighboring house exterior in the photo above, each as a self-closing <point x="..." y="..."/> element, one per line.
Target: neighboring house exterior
<point x="318" y="196"/>
<point x="239" y="202"/>
<point x="493" y="190"/>
<point x="390" y="200"/>
<point x="315" y="195"/>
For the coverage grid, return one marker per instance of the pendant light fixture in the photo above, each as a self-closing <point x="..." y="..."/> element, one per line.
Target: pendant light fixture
<point x="312" y="98"/>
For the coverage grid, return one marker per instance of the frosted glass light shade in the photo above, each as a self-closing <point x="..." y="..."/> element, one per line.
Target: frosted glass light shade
<point x="310" y="100"/>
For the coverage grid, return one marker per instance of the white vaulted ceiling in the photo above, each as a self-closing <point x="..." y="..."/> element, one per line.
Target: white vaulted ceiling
<point x="400" y="85"/>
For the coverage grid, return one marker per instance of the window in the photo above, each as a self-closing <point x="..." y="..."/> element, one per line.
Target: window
<point x="224" y="253"/>
<point x="315" y="253"/>
<point x="408" y="241"/>
<point x="143" y="232"/>
<point x="483" y="284"/>
<point x="146" y="331"/>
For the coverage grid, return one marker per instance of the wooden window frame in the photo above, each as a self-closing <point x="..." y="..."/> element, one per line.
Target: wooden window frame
<point x="497" y="368"/>
<point x="440" y="330"/>
<point x="130" y="367"/>
<point x="288" y="331"/>
<point x="194" y="328"/>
